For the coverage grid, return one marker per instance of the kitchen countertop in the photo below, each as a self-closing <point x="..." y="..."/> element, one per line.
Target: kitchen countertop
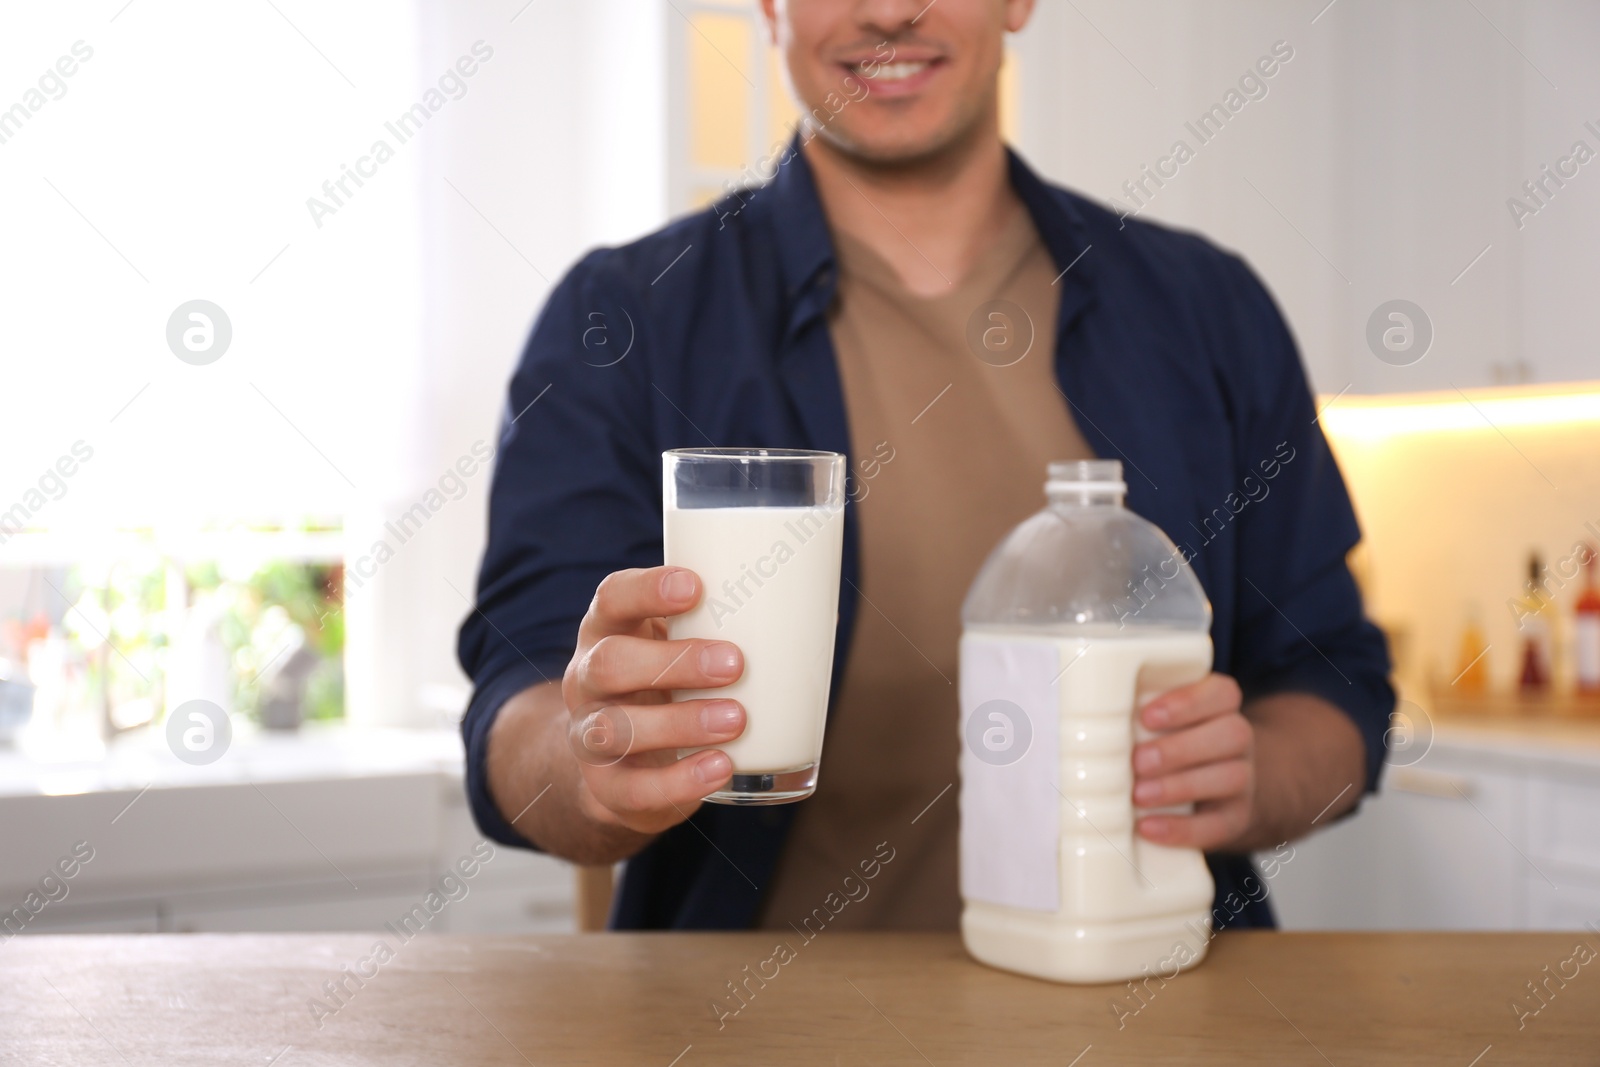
<point x="1567" y="741"/>
<point x="843" y="998"/>
<point x="316" y="751"/>
<point x="338" y="750"/>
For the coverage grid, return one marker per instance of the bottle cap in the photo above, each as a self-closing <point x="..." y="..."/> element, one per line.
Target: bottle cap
<point x="1086" y="475"/>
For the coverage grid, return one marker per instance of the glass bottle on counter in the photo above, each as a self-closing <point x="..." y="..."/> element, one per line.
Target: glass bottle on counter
<point x="1586" y="629"/>
<point x="1534" y="627"/>
<point x="1083" y="614"/>
<point x="1472" y="665"/>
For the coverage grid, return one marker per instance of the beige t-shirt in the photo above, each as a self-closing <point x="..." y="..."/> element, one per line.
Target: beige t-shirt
<point x="950" y="453"/>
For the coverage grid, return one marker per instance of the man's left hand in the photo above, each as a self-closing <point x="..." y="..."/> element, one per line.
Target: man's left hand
<point x="1205" y="756"/>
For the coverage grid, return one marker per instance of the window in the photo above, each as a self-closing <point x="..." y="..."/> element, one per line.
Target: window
<point x="203" y="375"/>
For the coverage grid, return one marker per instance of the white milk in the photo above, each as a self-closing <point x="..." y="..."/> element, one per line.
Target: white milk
<point x="1069" y="892"/>
<point x="771" y="578"/>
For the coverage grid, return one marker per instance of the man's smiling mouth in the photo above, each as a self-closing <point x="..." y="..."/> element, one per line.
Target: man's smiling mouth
<point x="899" y="70"/>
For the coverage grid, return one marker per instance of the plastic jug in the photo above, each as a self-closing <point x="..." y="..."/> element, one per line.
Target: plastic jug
<point x="1081" y="615"/>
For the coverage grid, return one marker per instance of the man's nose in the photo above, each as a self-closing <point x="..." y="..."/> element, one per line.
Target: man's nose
<point x="890" y="17"/>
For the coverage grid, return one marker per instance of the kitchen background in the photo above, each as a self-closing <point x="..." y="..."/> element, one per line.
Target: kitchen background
<point x="276" y="509"/>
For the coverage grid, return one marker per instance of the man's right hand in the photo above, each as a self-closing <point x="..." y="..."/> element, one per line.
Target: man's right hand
<point x="625" y="730"/>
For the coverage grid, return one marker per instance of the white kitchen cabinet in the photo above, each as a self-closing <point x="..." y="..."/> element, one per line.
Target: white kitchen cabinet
<point x="292" y="837"/>
<point x="1568" y="905"/>
<point x="1426" y="853"/>
<point x="1558" y="249"/>
<point x="513" y="908"/>
<point x="1564" y="823"/>
<point x="129" y="917"/>
<point x="517" y="890"/>
<point x="1377" y="165"/>
<point x="1486" y="832"/>
<point x="327" y="906"/>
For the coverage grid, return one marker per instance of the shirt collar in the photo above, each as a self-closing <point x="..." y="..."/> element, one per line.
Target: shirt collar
<point x="808" y="264"/>
<point x="1061" y="227"/>
<point x="800" y="232"/>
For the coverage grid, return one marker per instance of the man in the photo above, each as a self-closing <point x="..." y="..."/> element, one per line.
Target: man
<point x="836" y="308"/>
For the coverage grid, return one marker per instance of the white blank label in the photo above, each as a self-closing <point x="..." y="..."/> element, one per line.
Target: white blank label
<point x="1010" y="809"/>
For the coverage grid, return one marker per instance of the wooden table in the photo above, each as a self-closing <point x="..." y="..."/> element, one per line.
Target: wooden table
<point x="1261" y="998"/>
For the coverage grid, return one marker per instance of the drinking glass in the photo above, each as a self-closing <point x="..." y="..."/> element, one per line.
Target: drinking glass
<point x="764" y="530"/>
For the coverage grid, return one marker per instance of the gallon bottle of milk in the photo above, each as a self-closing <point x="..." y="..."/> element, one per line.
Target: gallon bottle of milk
<point x="1080" y="616"/>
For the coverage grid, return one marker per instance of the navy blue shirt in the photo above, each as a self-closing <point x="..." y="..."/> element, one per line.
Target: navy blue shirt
<point x="713" y="331"/>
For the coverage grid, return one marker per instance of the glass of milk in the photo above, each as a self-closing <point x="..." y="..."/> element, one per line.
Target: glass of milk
<point x="764" y="530"/>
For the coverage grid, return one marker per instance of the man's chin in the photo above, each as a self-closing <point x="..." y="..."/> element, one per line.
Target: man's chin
<point x="892" y="149"/>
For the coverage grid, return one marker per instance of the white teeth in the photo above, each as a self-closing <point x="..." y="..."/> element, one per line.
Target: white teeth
<point x="897" y="71"/>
